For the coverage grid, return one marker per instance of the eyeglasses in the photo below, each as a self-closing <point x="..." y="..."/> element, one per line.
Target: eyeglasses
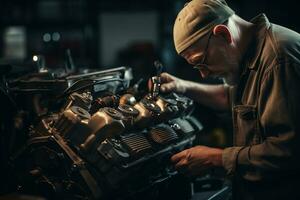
<point x="202" y="65"/>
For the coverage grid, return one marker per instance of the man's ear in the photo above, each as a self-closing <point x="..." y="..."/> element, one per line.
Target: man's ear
<point x="223" y="31"/>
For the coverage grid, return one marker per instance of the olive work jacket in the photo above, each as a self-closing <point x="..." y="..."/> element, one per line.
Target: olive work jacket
<point x="264" y="161"/>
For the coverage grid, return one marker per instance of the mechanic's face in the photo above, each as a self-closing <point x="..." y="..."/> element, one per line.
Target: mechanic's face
<point x="213" y="56"/>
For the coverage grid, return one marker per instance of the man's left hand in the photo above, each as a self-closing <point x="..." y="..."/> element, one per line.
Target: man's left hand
<point x="195" y="160"/>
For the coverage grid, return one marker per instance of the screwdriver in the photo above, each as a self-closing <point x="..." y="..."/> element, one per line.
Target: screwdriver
<point x="156" y="80"/>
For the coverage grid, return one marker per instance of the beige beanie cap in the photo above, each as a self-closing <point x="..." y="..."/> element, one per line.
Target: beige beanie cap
<point x="196" y="19"/>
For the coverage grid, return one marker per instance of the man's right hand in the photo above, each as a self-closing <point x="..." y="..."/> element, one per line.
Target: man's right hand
<point x="213" y="96"/>
<point x="171" y="83"/>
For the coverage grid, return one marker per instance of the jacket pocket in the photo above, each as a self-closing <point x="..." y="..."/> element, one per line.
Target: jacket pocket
<point x="246" y="125"/>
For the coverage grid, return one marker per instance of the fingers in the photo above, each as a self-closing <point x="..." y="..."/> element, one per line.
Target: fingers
<point x="191" y="168"/>
<point x="182" y="164"/>
<point x="165" y="77"/>
<point x="177" y="157"/>
<point x="181" y="159"/>
<point x="169" y="83"/>
<point x="168" y="87"/>
<point x="190" y="162"/>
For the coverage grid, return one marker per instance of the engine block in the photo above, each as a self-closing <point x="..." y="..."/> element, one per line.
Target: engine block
<point x="99" y="145"/>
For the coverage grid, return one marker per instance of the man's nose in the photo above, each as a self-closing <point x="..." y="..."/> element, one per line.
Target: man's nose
<point x="204" y="73"/>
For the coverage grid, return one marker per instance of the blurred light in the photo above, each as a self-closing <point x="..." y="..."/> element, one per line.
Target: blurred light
<point x="55" y="36"/>
<point x="14" y="42"/>
<point x="47" y="37"/>
<point x="35" y="58"/>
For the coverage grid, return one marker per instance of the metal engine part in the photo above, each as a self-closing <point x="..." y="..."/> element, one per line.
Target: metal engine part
<point x="94" y="144"/>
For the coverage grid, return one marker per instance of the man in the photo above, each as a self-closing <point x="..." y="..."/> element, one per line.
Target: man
<point x="260" y="63"/>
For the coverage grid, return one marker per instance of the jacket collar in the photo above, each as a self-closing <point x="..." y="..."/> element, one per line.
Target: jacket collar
<point x="252" y="56"/>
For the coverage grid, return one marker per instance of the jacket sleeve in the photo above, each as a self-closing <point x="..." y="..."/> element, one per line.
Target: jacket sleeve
<point x="279" y="122"/>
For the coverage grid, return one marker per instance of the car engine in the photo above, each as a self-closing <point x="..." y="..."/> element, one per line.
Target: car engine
<point x="92" y="135"/>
